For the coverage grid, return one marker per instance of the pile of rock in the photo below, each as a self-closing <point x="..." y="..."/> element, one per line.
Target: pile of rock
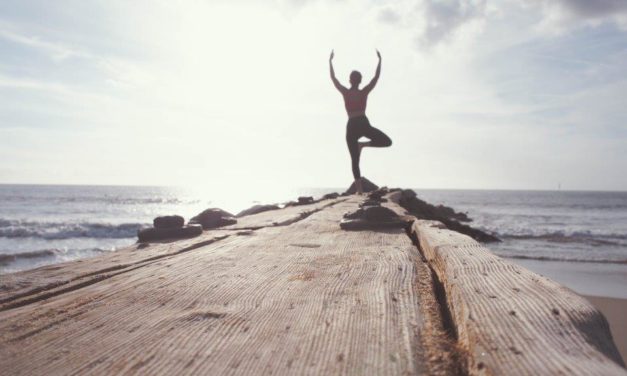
<point x="212" y="218"/>
<point x="330" y="196"/>
<point x="423" y="210"/>
<point x="371" y="215"/>
<point x="302" y="200"/>
<point x="168" y="227"/>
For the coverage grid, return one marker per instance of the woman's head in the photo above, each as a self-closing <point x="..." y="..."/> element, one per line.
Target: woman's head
<point x="355" y="78"/>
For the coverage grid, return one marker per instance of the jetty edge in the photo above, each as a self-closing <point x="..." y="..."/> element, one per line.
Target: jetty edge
<point x="288" y="292"/>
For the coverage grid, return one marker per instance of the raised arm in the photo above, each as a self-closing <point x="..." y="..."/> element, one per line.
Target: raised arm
<point x="374" y="80"/>
<point x="337" y="84"/>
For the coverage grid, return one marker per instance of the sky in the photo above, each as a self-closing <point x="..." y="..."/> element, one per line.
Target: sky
<point x="508" y="94"/>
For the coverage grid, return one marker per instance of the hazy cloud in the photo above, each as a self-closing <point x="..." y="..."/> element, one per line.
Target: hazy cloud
<point x="443" y="18"/>
<point x="593" y="9"/>
<point x="56" y="51"/>
<point x="388" y="16"/>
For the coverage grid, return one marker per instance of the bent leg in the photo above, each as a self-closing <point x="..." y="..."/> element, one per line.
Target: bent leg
<point x="377" y="138"/>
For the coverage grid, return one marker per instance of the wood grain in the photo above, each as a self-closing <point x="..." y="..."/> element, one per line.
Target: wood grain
<point x="305" y="298"/>
<point x="511" y="320"/>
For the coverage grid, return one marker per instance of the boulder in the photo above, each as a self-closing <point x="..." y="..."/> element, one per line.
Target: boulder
<point x="257" y="209"/>
<point x="153" y="234"/>
<point x="448" y="216"/>
<point x="408" y="194"/>
<point x="373" y="218"/>
<point x="366" y="186"/>
<point x="304" y="200"/>
<point x="212" y="218"/>
<point x="168" y="221"/>
<point x="331" y="196"/>
<point x="378" y="194"/>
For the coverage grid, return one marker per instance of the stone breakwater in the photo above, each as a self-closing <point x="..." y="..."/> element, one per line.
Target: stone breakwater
<point x="173" y="226"/>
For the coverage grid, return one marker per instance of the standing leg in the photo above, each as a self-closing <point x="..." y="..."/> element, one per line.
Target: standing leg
<point x="355" y="151"/>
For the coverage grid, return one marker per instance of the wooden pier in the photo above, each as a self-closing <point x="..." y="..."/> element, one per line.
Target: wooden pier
<point x="288" y="292"/>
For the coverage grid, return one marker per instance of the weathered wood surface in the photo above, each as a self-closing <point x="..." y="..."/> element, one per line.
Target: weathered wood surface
<point x="306" y="298"/>
<point x="511" y="320"/>
<point x="21" y="288"/>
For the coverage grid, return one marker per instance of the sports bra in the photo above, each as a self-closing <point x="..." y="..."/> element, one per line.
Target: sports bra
<point x="355" y="102"/>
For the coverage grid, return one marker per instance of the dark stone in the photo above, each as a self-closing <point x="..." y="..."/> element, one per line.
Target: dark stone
<point x="304" y="200"/>
<point x="152" y="234"/>
<point x="444" y="214"/>
<point x="408" y="194"/>
<point x="379" y="213"/>
<point x="257" y="209"/>
<point x="373" y="218"/>
<point x="169" y="221"/>
<point x="212" y="218"/>
<point x="331" y="196"/>
<point x="370" y="202"/>
<point x="375" y="213"/>
<point x="366" y="186"/>
<point x="378" y="194"/>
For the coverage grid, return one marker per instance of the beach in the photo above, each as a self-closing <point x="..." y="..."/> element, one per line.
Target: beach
<point x="615" y="311"/>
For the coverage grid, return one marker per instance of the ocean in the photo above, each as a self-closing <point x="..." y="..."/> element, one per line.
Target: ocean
<point x="41" y="225"/>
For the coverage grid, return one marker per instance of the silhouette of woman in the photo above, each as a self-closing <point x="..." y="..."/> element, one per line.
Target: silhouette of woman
<point x="358" y="125"/>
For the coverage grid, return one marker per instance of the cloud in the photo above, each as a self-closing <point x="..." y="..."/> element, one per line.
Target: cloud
<point x="560" y="16"/>
<point x="439" y="21"/>
<point x="56" y="51"/>
<point x="592" y="9"/>
<point x="444" y="18"/>
<point x="388" y="16"/>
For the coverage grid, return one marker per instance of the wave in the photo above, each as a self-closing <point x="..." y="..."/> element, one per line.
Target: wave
<point x="65" y="230"/>
<point x="587" y="237"/>
<point x="564" y="259"/>
<point x="8" y="259"/>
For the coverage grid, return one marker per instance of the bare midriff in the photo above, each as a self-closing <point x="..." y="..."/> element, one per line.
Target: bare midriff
<point x="355" y="101"/>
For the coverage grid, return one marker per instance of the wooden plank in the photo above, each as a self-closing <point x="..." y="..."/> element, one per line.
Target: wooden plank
<point x="301" y="299"/>
<point x="20" y="288"/>
<point x="511" y="320"/>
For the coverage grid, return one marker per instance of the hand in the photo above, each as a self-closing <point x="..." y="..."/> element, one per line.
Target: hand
<point x="378" y="54"/>
<point x="332" y="55"/>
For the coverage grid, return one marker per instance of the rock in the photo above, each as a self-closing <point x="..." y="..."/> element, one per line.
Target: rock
<point x="331" y="196"/>
<point x="408" y="194"/>
<point x="366" y="186"/>
<point x="379" y="213"/>
<point x="373" y="213"/>
<point x="257" y="209"/>
<point x="370" y="202"/>
<point x="169" y="221"/>
<point x="378" y="194"/>
<point x="152" y="234"/>
<point x="444" y="214"/>
<point x="304" y="200"/>
<point x="373" y="218"/>
<point x="212" y="218"/>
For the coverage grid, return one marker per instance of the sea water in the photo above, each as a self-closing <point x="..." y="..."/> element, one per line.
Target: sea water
<point x="41" y="225"/>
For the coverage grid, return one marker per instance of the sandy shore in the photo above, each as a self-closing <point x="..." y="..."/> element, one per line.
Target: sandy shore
<point x="615" y="310"/>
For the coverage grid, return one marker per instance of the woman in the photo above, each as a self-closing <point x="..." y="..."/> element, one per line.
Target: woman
<point x="358" y="126"/>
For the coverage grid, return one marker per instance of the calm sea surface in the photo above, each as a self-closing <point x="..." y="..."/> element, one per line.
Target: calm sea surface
<point x="41" y="225"/>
